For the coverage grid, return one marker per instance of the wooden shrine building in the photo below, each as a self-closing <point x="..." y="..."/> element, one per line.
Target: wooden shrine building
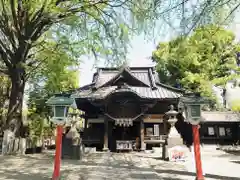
<point x="124" y="108"/>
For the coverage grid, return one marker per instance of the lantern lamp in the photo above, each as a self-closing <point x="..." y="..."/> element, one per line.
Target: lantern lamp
<point x="60" y="104"/>
<point x="191" y="105"/>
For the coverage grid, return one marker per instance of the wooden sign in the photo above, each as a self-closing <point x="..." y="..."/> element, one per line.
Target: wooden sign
<point x="154" y="118"/>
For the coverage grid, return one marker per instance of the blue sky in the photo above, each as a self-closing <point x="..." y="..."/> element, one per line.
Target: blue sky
<point x="138" y="55"/>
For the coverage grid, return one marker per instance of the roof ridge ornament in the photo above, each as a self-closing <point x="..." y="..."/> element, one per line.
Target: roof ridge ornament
<point x="125" y="65"/>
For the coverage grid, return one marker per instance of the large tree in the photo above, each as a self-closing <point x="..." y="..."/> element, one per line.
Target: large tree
<point x="27" y="27"/>
<point x="206" y="57"/>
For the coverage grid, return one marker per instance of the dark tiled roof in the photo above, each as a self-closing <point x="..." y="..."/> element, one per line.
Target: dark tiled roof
<point x="160" y="92"/>
<point x="143" y="76"/>
<point x="105" y="76"/>
<point x="149" y="87"/>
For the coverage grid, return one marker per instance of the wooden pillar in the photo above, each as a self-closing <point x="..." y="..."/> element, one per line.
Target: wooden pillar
<point x="142" y="134"/>
<point x="105" y="140"/>
<point x="85" y="122"/>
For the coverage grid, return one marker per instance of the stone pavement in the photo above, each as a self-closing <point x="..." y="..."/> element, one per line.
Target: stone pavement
<point x="113" y="166"/>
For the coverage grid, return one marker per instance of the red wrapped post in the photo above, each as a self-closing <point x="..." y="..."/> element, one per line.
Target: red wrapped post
<point x="197" y="152"/>
<point x="58" y="153"/>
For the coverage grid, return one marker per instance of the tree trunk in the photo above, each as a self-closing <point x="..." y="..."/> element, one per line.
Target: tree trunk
<point x="4" y="97"/>
<point x="13" y="141"/>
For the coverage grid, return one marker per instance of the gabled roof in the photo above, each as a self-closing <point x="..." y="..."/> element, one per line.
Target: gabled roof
<point x="144" y="74"/>
<point x="123" y="72"/>
<point x="149" y="85"/>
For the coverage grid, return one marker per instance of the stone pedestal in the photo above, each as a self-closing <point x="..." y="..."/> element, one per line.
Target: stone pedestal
<point x="174" y="139"/>
<point x="71" y="145"/>
<point x="105" y="149"/>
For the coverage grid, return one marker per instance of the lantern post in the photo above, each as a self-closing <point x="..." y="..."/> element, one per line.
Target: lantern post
<point x="60" y="104"/>
<point x="190" y="105"/>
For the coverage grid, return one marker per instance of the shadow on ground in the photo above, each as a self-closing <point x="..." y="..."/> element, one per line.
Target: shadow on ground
<point x="13" y="174"/>
<point x="39" y="167"/>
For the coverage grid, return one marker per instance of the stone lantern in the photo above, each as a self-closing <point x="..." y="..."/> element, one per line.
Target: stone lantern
<point x="174" y="138"/>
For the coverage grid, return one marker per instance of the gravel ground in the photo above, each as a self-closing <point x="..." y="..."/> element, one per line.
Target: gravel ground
<point x="119" y="166"/>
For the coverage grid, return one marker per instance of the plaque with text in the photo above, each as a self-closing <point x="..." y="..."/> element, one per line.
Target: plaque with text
<point x="195" y="111"/>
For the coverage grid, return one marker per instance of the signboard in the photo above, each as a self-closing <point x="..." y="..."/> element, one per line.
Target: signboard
<point x="177" y="153"/>
<point x="193" y="114"/>
<point x="154" y="118"/>
<point x="222" y="131"/>
<point x="195" y="111"/>
<point x="211" y="131"/>
<point x="149" y="131"/>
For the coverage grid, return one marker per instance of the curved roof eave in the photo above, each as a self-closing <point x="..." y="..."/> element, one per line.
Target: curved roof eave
<point x="170" y="87"/>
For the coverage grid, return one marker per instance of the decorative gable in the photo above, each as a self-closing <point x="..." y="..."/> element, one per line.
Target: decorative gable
<point x="124" y="76"/>
<point x="134" y="76"/>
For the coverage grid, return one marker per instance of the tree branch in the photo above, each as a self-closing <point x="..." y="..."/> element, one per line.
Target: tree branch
<point x="4" y="57"/>
<point x="14" y="15"/>
<point x="4" y="71"/>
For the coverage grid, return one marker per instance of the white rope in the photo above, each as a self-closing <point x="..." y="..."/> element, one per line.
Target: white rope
<point x="124" y="121"/>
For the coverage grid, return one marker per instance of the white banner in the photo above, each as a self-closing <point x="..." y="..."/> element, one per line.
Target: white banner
<point x="177" y="153"/>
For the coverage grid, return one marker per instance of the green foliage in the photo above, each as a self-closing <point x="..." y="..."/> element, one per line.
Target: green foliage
<point x="56" y="69"/>
<point x="39" y="127"/>
<point x="194" y="14"/>
<point x="206" y="57"/>
<point x="236" y="106"/>
<point x="4" y="94"/>
<point x="55" y="76"/>
<point x="55" y="73"/>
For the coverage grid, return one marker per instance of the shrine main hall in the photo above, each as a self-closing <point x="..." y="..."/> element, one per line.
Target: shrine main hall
<point x="124" y="108"/>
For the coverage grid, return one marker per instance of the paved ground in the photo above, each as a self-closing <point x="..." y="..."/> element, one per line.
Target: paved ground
<point x="106" y="166"/>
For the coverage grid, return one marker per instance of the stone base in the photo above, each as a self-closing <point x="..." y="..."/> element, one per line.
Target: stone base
<point x="174" y="141"/>
<point x="199" y="178"/>
<point x="56" y="178"/>
<point x="105" y="149"/>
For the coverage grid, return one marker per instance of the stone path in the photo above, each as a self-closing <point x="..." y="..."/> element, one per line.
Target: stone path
<point x="218" y="163"/>
<point x="107" y="166"/>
